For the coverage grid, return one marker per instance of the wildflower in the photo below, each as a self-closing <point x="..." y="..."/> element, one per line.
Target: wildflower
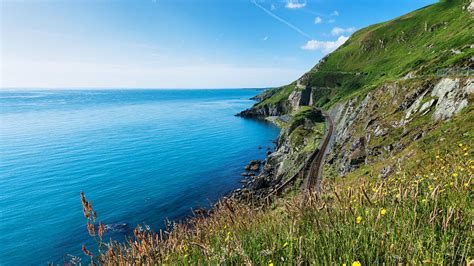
<point x="344" y="264"/>
<point x="466" y="184"/>
<point x="398" y="196"/>
<point x="356" y="263"/>
<point x="86" y="252"/>
<point x="460" y="144"/>
<point x="437" y="156"/>
<point x="227" y="237"/>
<point x="270" y="263"/>
<point x="91" y="229"/>
<point x="358" y="219"/>
<point x="285" y="245"/>
<point x="186" y="255"/>
<point x="465" y="149"/>
<point x="101" y="229"/>
<point x="466" y="154"/>
<point x="455" y="174"/>
<point x="383" y="211"/>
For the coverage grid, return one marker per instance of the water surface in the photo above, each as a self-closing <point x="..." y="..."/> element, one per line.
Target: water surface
<point x="141" y="156"/>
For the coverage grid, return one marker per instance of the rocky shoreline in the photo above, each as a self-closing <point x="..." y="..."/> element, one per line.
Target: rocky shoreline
<point x="260" y="176"/>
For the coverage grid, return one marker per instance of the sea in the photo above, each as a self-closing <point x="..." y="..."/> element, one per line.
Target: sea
<point x="141" y="156"/>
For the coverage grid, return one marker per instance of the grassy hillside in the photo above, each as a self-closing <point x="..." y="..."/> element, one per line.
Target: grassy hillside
<point x="421" y="213"/>
<point x="422" y="42"/>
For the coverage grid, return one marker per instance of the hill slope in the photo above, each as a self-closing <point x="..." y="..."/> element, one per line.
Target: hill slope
<point x="397" y="185"/>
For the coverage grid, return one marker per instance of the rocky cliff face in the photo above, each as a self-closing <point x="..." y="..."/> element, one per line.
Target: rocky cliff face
<point x="389" y="86"/>
<point x="386" y="120"/>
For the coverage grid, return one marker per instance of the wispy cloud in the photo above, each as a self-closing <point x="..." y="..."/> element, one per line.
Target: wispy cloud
<point x="273" y="7"/>
<point x="335" y="13"/>
<point x="273" y="15"/>
<point x="318" y="20"/>
<point x="338" y="31"/>
<point x="325" y="46"/>
<point x="265" y="38"/>
<point x="294" y="4"/>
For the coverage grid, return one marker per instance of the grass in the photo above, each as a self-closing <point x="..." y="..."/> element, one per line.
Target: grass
<point x="421" y="214"/>
<point x="420" y="42"/>
<point x="413" y="217"/>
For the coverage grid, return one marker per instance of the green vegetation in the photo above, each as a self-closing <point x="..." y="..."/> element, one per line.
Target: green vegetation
<point x="421" y="42"/>
<point x="414" y="217"/>
<point x="280" y="95"/>
<point x="421" y="214"/>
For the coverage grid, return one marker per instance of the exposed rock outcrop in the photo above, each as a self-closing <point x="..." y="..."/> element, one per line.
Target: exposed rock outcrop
<point x="384" y="122"/>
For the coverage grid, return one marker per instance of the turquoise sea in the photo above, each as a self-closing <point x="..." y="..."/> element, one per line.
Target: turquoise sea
<point x="140" y="156"/>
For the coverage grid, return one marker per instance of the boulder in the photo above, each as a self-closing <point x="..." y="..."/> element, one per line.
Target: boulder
<point x="254" y="165"/>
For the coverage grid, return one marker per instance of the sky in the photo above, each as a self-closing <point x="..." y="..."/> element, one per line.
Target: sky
<point x="176" y="43"/>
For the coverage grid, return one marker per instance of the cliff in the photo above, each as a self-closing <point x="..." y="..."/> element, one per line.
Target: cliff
<point x="387" y="87"/>
<point x="394" y="105"/>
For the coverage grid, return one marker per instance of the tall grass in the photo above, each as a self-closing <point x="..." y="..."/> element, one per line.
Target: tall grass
<point x="410" y="218"/>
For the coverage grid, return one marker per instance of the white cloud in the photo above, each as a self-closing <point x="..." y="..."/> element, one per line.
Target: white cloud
<point x="294" y="4"/>
<point x="335" y="13"/>
<point x="265" y="38"/>
<point x="273" y="7"/>
<point x="318" y="20"/>
<point x="331" y="21"/>
<point x="338" y="31"/>
<point x="325" y="46"/>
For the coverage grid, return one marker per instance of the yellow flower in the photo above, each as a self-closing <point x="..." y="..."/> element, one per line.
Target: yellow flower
<point x="383" y="211"/>
<point x="465" y="149"/>
<point x="466" y="154"/>
<point x="358" y="219"/>
<point x="270" y="263"/>
<point x="285" y="245"/>
<point x="356" y="263"/>
<point x="423" y="200"/>
<point x="455" y="174"/>
<point x="460" y="144"/>
<point x="466" y="184"/>
<point x="227" y="237"/>
<point x="437" y="156"/>
<point x="344" y="264"/>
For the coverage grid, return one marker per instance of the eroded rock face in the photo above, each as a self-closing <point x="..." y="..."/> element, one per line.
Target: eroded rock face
<point x="470" y="8"/>
<point x="383" y="123"/>
<point x="264" y="111"/>
<point x="300" y="98"/>
<point x="452" y="97"/>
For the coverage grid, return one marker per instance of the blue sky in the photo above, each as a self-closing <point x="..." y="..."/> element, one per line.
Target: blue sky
<point x="176" y="43"/>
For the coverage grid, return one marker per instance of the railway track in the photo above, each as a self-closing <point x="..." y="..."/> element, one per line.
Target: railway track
<point x="313" y="178"/>
<point x="313" y="165"/>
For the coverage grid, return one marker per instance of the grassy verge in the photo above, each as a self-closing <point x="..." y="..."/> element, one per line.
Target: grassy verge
<point x="415" y="217"/>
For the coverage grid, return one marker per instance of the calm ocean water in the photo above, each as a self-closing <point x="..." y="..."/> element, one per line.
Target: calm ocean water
<point x="140" y="156"/>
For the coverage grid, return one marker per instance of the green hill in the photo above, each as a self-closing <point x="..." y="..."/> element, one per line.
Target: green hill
<point x="397" y="186"/>
<point x="421" y="42"/>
